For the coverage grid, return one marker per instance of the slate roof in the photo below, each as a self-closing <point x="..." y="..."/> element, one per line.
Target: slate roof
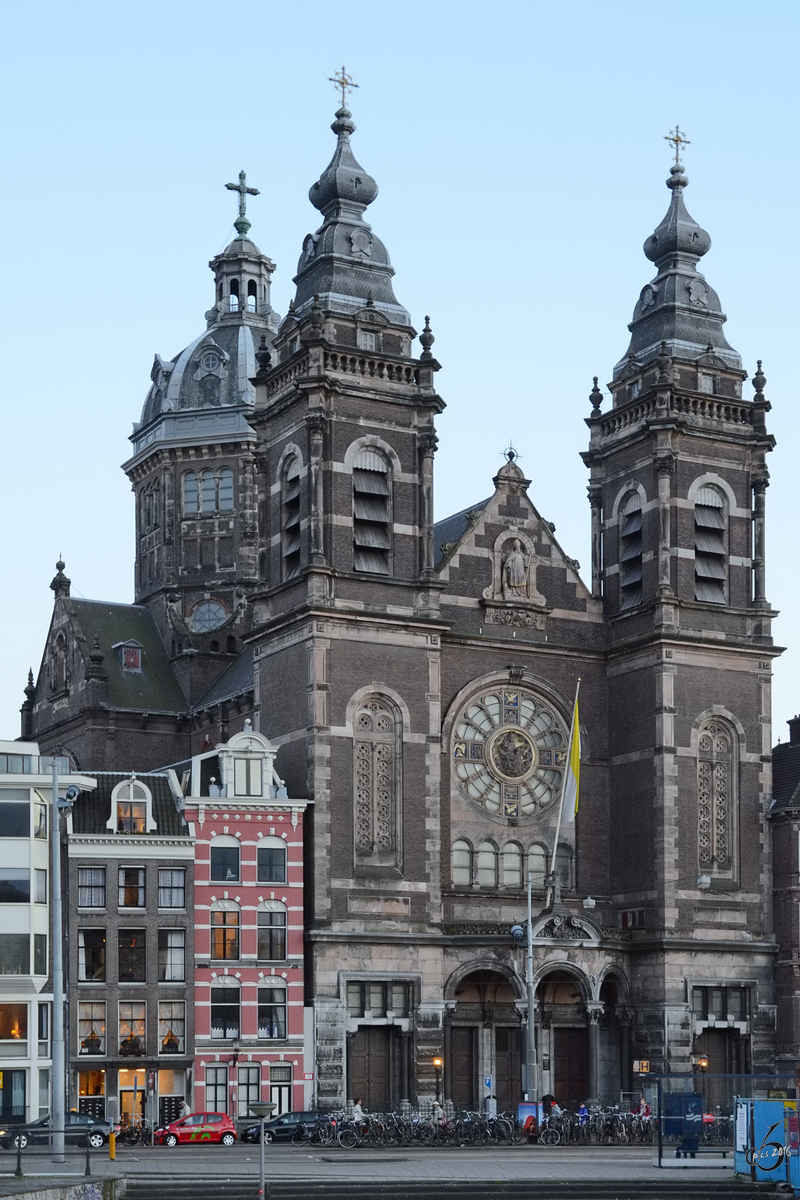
<point x="452" y="529"/>
<point x="235" y="680"/>
<point x="92" y="809"/>
<point x="153" y="689"/>
<point x="785" y="776"/>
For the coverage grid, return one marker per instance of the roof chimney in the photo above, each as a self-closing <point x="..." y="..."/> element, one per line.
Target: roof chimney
<point x="794" y="730"/>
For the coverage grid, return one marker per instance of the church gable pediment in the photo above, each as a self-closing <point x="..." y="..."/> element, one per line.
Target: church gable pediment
<point x="502" y="558"/>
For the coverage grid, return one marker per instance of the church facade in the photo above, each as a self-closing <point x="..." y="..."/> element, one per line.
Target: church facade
<point x="417" y="679"/>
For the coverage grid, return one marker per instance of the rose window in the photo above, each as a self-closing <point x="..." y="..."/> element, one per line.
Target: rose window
<point x="509" y="750"/>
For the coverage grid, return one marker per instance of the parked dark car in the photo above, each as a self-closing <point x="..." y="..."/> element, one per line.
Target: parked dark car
<point x="279" y="1129"/>
<point x="79" y="1128"/>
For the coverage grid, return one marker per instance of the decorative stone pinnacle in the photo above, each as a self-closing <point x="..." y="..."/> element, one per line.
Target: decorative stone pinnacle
<point x="316" y="313"/>
<point x="596" y="397"/>
<point x="60" y="584"/>
<point x="664" y="365"/>
<point x="426" y="339"/>
<point x="263" y="355"/>
<point x="759" y="380"/>
<point x="241" y="225"/>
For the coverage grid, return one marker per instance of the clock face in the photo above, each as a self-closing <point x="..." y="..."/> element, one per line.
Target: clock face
<point x="509" y="751"/>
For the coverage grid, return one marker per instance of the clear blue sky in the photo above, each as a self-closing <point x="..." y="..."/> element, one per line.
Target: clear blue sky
<point x="520" y="156"/>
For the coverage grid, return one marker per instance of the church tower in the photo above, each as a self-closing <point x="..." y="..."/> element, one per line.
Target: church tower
<point x="192" y="471"/>
<point x="678" y="480"/>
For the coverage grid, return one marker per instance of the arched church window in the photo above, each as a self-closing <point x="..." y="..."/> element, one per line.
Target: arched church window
<point x="190" y="494"/>
<point x="487" y="865"/>
<point x="630" y="551"/>
<point x="537" y="866"/>
<point x="208" y="492"/>
<point x="252" y="295"/>
<point x="377" y="782"/>
<point x="372" y="542"/>
<point x="290" y="518"/>
<point x="710" y="550"/>
<point x="564" y="871"/>
<point x="512" y="865"/>
<point x="226" y="490"/>
<point x="462" y="863"/>
<point x="233" y="297"/>
<point x="715" y="800"/>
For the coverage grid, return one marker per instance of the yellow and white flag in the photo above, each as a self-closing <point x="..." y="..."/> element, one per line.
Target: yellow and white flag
<point x="573" y="771"/>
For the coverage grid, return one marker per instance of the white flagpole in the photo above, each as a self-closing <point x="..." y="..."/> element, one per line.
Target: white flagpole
<point x="561" y="802"/>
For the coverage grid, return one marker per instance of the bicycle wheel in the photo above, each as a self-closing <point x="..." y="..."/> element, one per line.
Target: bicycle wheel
<point x="347" y="1138"/>
<point x="300" y="1135"/>
<point x="550" y="1137"/>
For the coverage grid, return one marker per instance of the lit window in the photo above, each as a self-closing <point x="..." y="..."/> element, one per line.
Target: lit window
<point x="224" y="935"/>
<point x="272" y="1012"/>
<point x="225" y="1009"/>
<point x="13" y="1023"/>
<point x="92" y="1027"/>
<point x="271" y="936"/>
<point x="131" y="801"/>
<point x="131" y="887"/>
<point x="132" y="1029"/>
<point x="171" y="1027"/>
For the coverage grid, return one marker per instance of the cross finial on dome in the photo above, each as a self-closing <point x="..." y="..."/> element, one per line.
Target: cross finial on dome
<point x="677" y="140"/>
<point x="343" y="83"/>
<point x="510" y="454"/>
<point x="241" y="225"/>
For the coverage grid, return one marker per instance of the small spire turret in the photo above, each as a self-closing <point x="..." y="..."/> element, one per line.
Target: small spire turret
<point x="60" y="584"/>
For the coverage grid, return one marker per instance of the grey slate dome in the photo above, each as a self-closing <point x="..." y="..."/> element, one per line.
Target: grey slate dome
<point x="679" y="306"/>
<point x="343" y="263"/>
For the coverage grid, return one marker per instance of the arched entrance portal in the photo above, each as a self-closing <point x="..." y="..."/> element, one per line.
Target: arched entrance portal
<point x="482" y="1041"/>
<point x="565" y="1038"/>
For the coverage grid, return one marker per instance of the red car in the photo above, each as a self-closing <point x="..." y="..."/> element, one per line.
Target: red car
<point x="198" y="1127"/>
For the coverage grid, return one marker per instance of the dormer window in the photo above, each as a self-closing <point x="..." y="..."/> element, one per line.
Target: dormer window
<point x="636" y="388"/>
<point x="130" y="655"/>
<point x="247" y="777"/>
<point x="294" y="345"/>
<point x="708" y="384"/>
<point x="131" y="808"/>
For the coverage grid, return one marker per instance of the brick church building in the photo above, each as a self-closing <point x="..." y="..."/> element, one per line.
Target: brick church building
<point x="417" y="679"/>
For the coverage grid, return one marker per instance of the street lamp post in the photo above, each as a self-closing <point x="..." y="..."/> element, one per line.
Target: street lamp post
<point x="262" y="1111"/>
<point x="59" y="1101"/>
<point x="437" y="1064"/>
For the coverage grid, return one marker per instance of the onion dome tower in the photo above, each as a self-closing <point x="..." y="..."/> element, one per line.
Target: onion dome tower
<point x="192" y="468"/>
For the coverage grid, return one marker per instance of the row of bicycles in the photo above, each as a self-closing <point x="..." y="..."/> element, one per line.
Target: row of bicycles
<point x="394" y="1129"/>
<point x="136" y="1133"/>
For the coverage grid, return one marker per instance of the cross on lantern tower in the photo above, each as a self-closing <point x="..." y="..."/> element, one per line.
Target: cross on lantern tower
<point x="677" y="140"/>
<point x="241" y="225"/>
<point x="344" y="83"/>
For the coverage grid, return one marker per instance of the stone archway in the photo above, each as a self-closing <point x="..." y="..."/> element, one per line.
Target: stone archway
<point x="482" y="1039"/>
<point x="564" y="1036"/>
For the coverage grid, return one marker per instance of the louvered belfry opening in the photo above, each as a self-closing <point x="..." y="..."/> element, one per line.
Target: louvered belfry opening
<point x="372" y="541"/>
<point x="630" y="551"/>
<point x="710" y="552"/>
<point x="290" y="519"/>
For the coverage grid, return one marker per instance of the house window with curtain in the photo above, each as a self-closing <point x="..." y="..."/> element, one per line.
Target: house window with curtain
<point x="131" y="955"/>
<point x="132" y="1019"/>
<point x="171" y="1027"/>
<point x="171" y="955"/>
<point x="272" y="1011"/>
<point x="225" y="1012"/>
<point x="91" y="955"/>
<point x="225" y="934"/>
<point x="92" y="1027"/>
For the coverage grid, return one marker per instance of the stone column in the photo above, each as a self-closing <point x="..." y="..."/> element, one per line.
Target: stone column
<point x="665" y="465"/>
<point x="448" y="1055"/>
<point x="348" y="1068"/>
<point x="315" y="423"/>
<point x="427" y="449"/>
<point x="261" y="464"/>
<point x="596" y="502"/>
<point x="760" y="485"/>
<point x="405" y="1082"/>
<point x="594" y="1012"/>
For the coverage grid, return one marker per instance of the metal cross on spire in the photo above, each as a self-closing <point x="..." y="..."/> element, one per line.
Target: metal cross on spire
<point x="242" y="224"/>
<point x="677" y="140"/>
<point x="344" y="83"/>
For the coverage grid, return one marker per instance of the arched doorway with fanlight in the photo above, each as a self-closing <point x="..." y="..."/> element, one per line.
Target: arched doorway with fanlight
<point x="483" y="1037"/>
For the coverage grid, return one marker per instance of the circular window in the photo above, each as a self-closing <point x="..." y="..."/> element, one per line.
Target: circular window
<point x="210" y="361"/>
<point x="509" y="750"/>
<point x="207" y="615"/>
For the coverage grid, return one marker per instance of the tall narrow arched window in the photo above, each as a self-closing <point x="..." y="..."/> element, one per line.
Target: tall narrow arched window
<point x="537" y="866"/>
<point x="226" y="490"/>
<point x="233" y="298"/>
<point x="716" y="781"/>
<point x="190" y="494"/>
<point x="372" y="542"/>
<point x="710" y="550"/>
<point x="252" y="295"/>
<point x="630" y="551"/>
<point x="512" y="865"/>
<point x="377" y="744"/>
<point x="564" y="864"/>
<point x="462" y="863"/>
<point x="208" y="492"/>
<point x="487" y="865"/>
<point x="290" y="518"/>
